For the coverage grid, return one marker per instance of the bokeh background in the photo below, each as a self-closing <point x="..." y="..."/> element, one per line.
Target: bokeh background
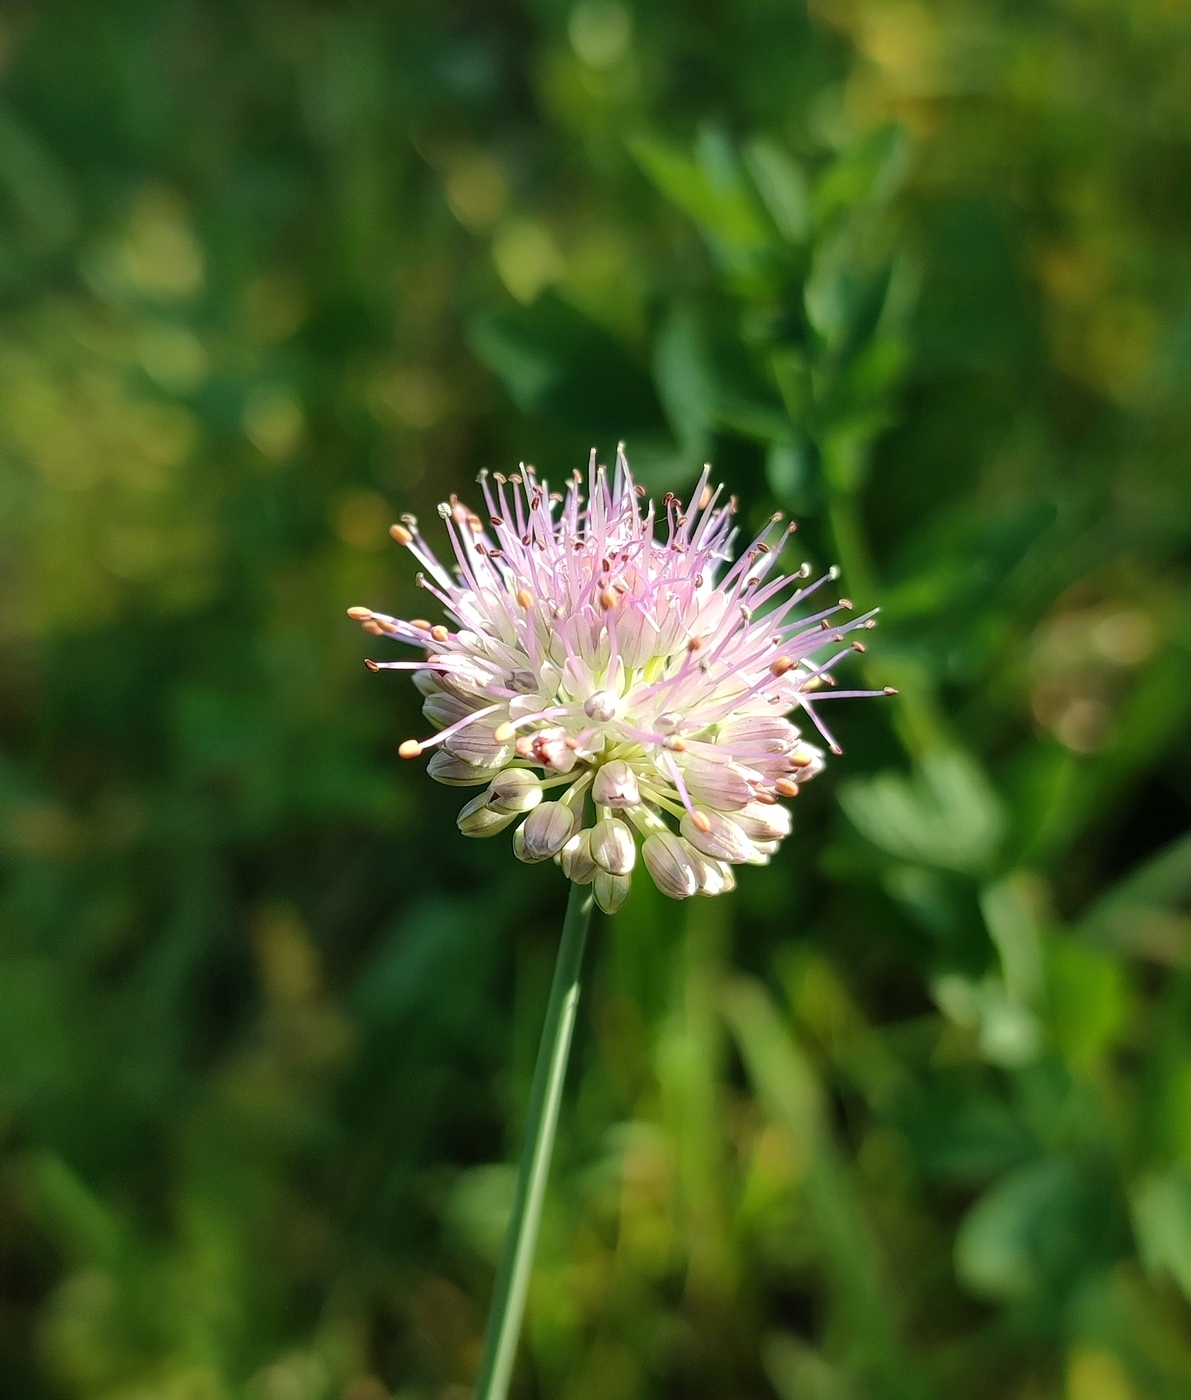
<point x="909" y="1115"/>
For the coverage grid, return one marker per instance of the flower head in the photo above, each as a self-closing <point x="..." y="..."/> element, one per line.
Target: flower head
<point x="610" y="675"/>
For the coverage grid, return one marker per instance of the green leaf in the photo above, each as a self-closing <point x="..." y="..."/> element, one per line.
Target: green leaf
<point x="946" y="815"/>
<point x="711" y="190"/>
<point x="783" y="188"/>
<point x="1162" y="1222"/>
<point x="556" y="361"/>
<point x="1023" y="1236"/>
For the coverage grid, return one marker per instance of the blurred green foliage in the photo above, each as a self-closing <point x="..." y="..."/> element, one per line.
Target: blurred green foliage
<point x="909" y="1115"/>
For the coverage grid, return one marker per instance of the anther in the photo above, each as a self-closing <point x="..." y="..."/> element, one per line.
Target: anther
<point x="700" y="820"/>
<point x="497" y="521"/>
<point x="859" y="646"/>
<point x="408" y="748"/>
<point x="780" y="665"/>
<point x="525" y="597"/>
<point x="835" y="749"/>
<point x="787" y="787"/>
<point x="360" y="614"/>
<point x="890" y="690"/>
<point x="401" y="534"/>
<point x="439" y="633"/>
<point x="420" y="623"/>
<point x="847" y="604"/>
<point x="503" y="732"/>
<point x="607" y="598"/>
<point x="372" y="665"/>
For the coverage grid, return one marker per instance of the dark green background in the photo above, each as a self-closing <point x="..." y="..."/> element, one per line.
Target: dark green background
<point x="909" y="1114"/>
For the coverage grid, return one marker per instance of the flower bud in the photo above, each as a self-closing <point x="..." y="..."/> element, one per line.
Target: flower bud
<point x="442" y="709"/>
<point x="719" y="785"/>
<point x="547" y="830"/>
<point x="603" y="707"/>
<point x="610" y="891"/>
<point x="761" y="823"/>
<point x="669" y="861"/>
<point x="575" y="859"/>
<point x="612" y="846"/>
<point x="723" y="839"/>
<point x="712" y="874"/>
<point x="476" y="744"/>
<point x="515" y="790"/>
<point x="615" y="785"/>
<point x="478" y="819"/>
<point x="768" y="733"/>
<point x="446" y="768"/>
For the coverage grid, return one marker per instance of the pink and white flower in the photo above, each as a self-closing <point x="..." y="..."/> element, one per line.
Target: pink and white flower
<point x="612" y="655"/>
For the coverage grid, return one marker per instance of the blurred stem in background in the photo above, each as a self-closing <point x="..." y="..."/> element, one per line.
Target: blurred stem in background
<point x="512" y="1280"/>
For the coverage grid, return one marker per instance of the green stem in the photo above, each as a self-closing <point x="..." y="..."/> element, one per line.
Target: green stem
<point x="512" y="1282"/>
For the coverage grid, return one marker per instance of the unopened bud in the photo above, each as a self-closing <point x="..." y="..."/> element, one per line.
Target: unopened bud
<point x="547" y="830"/>
<point x="610" y="891"/>
<point x="515" y="790"/>
<point x="603" y="707"/>
<point x="575" y="859"/>
<point x="478" y="819"/>
<point x="612" y="846"/>
<point x="446" y="768"/>
<point x="723" y="840"/>
<point x="616" y="785"/>
<point x="669" y="861"/>
<point x="761" y="823"/>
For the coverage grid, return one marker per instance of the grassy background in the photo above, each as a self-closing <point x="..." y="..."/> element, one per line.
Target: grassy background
<point x="909" y="1115"/>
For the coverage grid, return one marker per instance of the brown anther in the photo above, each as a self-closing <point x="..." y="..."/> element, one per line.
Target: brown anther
<point x="762" y="547"/>
<point x="700" y="821"/>
<point x="360" y="614"/>
<point x="401" y="534"/>
<point x="497" y="521"/>
<point x="859" y="646"/>
<point x="780" y="665"/>
<point x="765" y="797"/>
<point x="825" y="626"/>
<point x="408" y="748"/>
<point x="607" y="598"/>
<point x="372" y="665"/>
<point x="786" y="787"/>
<point x="847" y="604"/>
<point x="525" y="597"/>
<point x="439" y="633"/>
<point x="640" y="490"/>
<point x="695" y="644"/>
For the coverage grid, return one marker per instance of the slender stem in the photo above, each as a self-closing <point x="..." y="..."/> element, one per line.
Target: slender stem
<point x="512" y="1282"/>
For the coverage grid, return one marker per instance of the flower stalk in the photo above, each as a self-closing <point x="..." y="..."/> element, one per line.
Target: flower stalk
<point x="512" y="1280"/>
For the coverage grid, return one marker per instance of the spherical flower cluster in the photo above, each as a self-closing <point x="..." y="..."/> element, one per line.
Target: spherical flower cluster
<point x="611" y="677"/>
